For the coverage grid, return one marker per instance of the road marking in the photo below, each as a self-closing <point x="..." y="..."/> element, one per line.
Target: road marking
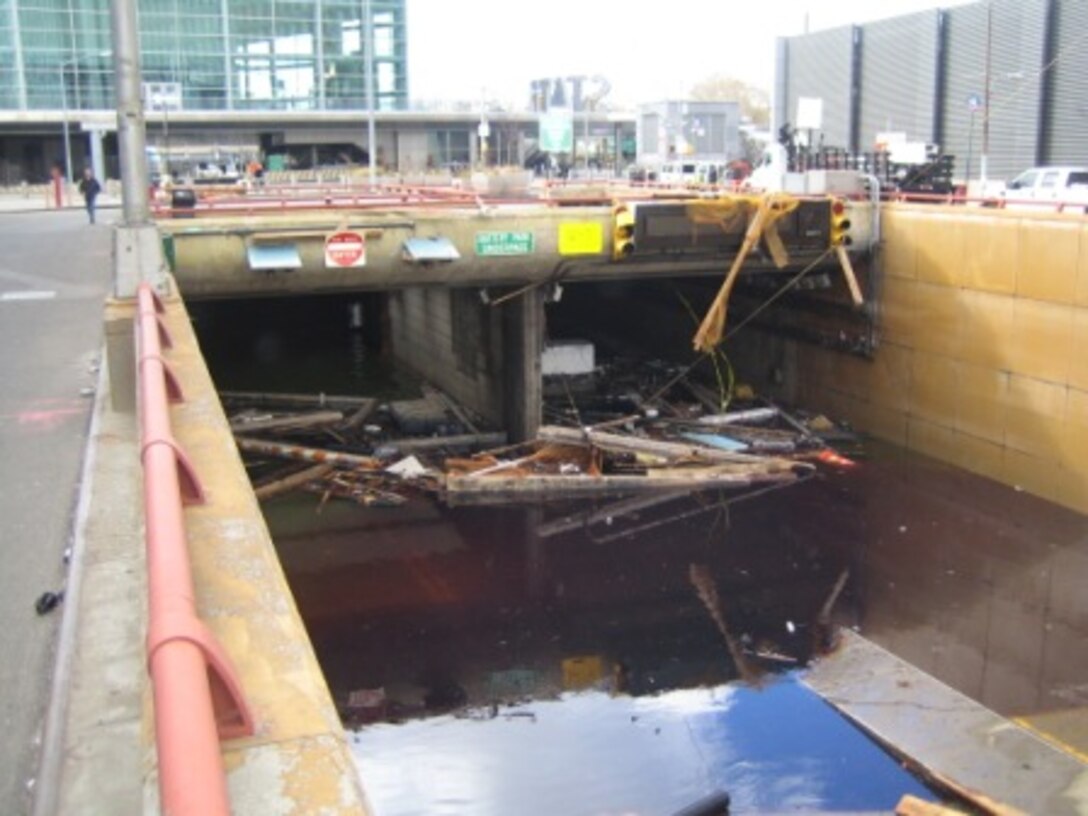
<point x="39" y="294"/>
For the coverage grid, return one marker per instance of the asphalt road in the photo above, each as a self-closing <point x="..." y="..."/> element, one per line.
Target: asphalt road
<point x="55" y="272"/>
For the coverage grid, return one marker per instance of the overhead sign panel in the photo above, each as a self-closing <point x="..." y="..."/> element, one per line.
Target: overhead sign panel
<point x="557" y="131"/>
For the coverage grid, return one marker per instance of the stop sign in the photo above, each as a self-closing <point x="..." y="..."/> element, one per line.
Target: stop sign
<point x="345" y="249"/>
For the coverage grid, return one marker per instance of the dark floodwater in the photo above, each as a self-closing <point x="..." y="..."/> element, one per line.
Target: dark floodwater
<point x="590" y="658"/>
<point x="515" y="661"/>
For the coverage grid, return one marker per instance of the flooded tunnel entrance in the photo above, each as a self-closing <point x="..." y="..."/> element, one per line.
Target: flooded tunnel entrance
<point x="614" y="654"/>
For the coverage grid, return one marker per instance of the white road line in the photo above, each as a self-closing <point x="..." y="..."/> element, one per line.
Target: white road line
<point x="40" y="294"/>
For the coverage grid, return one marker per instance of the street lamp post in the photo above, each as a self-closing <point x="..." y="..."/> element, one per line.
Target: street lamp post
<point x="368" y="50"/>
<point x="984" y="159"/>
<point x="64" y="123"/>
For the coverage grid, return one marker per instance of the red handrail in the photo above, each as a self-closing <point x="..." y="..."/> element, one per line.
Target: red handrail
<point x="197" y="697"/>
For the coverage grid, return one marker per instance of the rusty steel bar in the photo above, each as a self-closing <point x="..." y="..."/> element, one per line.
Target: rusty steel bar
<point x="197" y="698"/>
<point x="300" y="453"/>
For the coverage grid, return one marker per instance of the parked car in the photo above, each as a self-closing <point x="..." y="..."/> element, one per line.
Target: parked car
<point x="1057" y="186"/>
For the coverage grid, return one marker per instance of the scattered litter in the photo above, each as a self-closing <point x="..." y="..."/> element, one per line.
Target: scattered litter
<point x="716" y="441"/>
<point x="367" y="705"/>
<point x="902" y="528"/>
<point x="48" y="602"/>
<point x="821" y="423"/>
<point x="367" y="698"/>
<point x="407" y="468"/>
<point x="86" y="392"/>
<point x="790" y="627"/>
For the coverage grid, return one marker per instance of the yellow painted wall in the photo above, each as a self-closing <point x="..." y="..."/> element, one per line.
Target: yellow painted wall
<point x="984" y="353"/>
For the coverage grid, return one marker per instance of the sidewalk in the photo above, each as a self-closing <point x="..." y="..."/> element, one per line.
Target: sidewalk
<point x="99" y="752"/>
<point x="34" y="199"/>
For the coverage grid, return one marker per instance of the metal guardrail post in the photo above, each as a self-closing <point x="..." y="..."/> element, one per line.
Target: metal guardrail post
<point x="197" y="697"/>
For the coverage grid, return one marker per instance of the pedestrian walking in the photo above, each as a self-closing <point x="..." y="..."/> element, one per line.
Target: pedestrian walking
<point x="89" y="186"/>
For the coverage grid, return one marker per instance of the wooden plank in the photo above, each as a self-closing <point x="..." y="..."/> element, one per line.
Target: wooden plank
<point x="287" y="423"/>
<point x="294" y="400"/>
<point x="913" y="806"/>
<point x="428" y="443"/>
<point x="296" y="480"/>
<point x="360" y="416"/>
<point x="848" y="274"/>
<point x="668" y="450"/>
<point x="689" y="478"/>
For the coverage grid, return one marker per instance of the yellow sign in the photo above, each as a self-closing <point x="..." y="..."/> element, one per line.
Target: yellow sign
<point x="582" y="672"/>
<point x="581" y="238"/>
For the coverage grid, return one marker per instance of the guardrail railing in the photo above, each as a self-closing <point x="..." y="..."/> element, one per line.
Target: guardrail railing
<point x="197" y="697"/>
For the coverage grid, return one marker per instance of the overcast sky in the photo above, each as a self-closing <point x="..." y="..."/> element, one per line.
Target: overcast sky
<point x="462" y="49"/>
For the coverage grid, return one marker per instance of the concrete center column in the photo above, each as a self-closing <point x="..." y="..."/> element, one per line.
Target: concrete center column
<point x="523" y="387"/>
<point x="137" y="248"/>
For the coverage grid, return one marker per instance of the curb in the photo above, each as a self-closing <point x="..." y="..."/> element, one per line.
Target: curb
<point x="47" y="779"/>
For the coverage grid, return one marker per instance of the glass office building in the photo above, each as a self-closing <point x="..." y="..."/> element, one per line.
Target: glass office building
<point x="215" y="54"/>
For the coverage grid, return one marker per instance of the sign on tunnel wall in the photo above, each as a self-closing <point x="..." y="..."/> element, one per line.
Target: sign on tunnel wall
<point x="344" y="250"/>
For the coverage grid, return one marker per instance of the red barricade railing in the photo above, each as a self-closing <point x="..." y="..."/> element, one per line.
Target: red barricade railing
<point x="198" y="700"/>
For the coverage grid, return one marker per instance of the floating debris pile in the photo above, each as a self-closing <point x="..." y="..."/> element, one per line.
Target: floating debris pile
<point x="679" y="440"/>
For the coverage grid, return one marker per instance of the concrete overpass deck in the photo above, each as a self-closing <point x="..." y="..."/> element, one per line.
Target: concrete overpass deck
<point x="218" y="254"/>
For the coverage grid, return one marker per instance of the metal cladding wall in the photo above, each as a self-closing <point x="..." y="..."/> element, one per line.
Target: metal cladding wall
<point x="918" y="77"/>
<point x="898" y="77"/>
<point x="1067" y="114"/>
<point x="1015" y="84"/>
<point x="819" y="66"/>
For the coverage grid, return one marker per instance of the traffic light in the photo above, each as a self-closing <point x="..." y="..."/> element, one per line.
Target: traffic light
<point x="840" y="224"/>
<point x="623" y="231"/>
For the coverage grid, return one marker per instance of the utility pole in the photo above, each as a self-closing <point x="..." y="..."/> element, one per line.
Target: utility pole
<point x="131" y="134"/>
<point x="67" y="134"/>
<point x="984" y="159"/>
<point x="368" y="45"/>
<point x="137" y="250"/>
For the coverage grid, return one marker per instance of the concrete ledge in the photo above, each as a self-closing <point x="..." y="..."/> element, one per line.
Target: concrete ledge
<point x="299" y="760"/>
<point x="946" y="733"/>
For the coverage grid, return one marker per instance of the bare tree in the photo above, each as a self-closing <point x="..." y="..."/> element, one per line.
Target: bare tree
<point x="755" y="103"/>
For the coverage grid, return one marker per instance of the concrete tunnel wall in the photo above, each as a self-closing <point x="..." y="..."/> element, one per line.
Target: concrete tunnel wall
<point x="982" y="363"/>
<point x="487" y="357"/>
<point x="450" y="339"/>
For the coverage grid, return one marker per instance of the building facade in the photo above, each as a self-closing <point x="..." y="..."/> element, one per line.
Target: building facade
<point x="926" y="75"/>
<point x="214" y="54"/>
<point x="693" y="131"/>
<point x="226" y="81"/>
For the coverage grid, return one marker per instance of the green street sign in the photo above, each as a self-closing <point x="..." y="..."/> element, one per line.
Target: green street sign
<point x="504" y="243"/>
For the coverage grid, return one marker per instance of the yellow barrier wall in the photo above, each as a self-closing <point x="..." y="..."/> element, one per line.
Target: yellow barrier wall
<point x="984" y="354"/>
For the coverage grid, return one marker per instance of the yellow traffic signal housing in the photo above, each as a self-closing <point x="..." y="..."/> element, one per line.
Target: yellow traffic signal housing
<point x="840" y="224"/>
<point x="623" y="231"/>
